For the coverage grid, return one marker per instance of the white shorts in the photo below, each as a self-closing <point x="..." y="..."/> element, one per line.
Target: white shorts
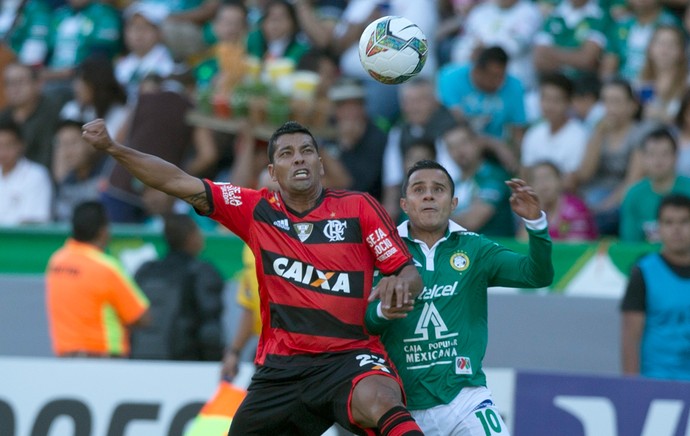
<point x="471" y="413"/>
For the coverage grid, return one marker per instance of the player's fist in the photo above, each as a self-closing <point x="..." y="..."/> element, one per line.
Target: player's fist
<point x="96" y="134"/>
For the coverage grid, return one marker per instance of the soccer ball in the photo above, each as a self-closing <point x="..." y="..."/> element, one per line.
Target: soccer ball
<point x="392" y="49"/>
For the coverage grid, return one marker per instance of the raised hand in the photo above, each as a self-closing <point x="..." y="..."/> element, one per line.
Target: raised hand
<point x="523" y="199"/>
<point x="96" y="134"/>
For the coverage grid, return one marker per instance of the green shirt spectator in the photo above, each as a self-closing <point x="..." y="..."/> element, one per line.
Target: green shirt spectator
<point x="29" y="38"/>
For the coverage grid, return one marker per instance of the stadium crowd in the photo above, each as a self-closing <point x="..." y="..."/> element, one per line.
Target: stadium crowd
<point x="510" y="87"/>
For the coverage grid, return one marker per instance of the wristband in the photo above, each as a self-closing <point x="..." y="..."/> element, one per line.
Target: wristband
<point x="538" y="224"/>
<point x="379" y="312"/>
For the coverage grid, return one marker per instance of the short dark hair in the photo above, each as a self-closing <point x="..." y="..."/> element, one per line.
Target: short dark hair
<point x="177" y="229"/>
<point x="492" y="55"/>
<point x="427" y="165"/>
<point x="7" y="124"/>
<point x="67" y="122"/>
<point x="560" y="81"/>
<point x="286" y="129"/>
<point x="587" y="84"/>
<point x="659" y="133"/>
<point x="88" y="219"/>
<point x="673" y="200"/>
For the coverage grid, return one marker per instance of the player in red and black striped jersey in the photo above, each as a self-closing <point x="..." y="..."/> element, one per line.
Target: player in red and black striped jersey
<point x="316" y="250"/>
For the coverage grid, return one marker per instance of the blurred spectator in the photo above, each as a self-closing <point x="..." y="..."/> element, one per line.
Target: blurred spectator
<point x="664" y="77"/>
<point x="586" y="105"/>
<point x="318" y="18"/>
<point x="91" y="302"/>
<point x="638" y="212"/>
<point x="452" y="18"/>
<point x="318" y="109"/>
<point x="157" y="126"/>
<point x="682" y="127"/>
<point x="572" y="39"/>
<point x="80" y="28"/>
<point x="27" y="33"/>
<point x="509" y="24"/>
<point x="483" y="205"/>
<point x="612" y="161"/>
<point x="146" y="53"/>
<point x="276" y="36"/>
<point x="97" y="94"/>
<point x="558" y="138"/>
<point x="568" y="216"/>
<point x="224" y="68"/>
<point x="421" y="149"/>
<point x="359" y="144"/>
<point x="489" y="98"/>
<point x="628" y="39"/>
<point x="185" y="294"/>
<point x="423" y="119"/>
<point x="186" y="28"/>
<point x="655" y="334"/>
<point x="34" y="111"/>
<point x="26" y="191"/>
<point x="79" y="173"/>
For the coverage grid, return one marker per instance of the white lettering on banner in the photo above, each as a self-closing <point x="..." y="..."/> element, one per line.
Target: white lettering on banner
<point x="231" y="194"/>
<point x="438" y="291"/>
<point x="382" y="245"/>
<point x="598" y="415"/>
<point x="308" y="275"/>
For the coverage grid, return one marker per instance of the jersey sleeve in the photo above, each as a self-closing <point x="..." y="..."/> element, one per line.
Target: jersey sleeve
<point x="125" y="295"/>
<point x="635" y="298"/>
<point x="232" y="206"/>
<point x="511" y="269"/>
<point x="382" y="238"/>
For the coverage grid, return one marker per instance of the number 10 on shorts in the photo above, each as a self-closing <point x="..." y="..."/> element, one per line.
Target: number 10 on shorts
<point x="491" y="422"/>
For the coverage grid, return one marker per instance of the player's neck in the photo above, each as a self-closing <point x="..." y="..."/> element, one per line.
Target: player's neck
<point x="429" y="237"/>
<point x="302" y="201"/>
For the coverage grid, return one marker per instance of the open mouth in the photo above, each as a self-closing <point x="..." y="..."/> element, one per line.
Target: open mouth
<point x="301" y="174"/>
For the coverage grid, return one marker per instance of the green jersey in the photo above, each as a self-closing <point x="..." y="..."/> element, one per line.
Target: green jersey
<point x="439" y="347"/>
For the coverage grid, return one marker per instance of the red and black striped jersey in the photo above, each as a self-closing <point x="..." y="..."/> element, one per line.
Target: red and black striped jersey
<point x="315" y="269"/>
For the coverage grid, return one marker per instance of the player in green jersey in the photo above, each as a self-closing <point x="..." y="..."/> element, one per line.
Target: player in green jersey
<point x="439" y="345"/>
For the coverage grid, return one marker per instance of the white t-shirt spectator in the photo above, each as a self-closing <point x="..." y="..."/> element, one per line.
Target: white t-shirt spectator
<point x="565" y="148"/>
<point x="26" y="194"/>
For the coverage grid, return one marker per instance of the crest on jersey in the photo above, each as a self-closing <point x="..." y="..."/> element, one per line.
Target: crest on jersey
<point x="303" y="230"/>
<point x="459" y="261"/>
<point x="335" y="230"/>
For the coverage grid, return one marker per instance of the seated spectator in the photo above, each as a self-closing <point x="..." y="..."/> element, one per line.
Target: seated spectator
<point x="628" y="38"/>
<point x="682" y="127"/>
<point x="186" y="27"/>
<point x="77" y="170"/>
<point x="422" y="119"/>
<point x="359" y="144"/>
<point x="638" y="212"/>
<point x="558" y="138"/>
<point x="27" y="34"/>
<point x="276" y="36"/>
<point x="572" y="39"/>
<point x="664" y="77"/>
<point x="612" y="160"/>
<point x="509" y="24"/>
<point x="26" y="191"/>
<point x="218" y="73"/>
<point x="146" y="53"/>
<point x="587" y="106"/>
<point x="81" y="28"/>
<point x="568" y="216"/>
<point x="33" y="110"/>
<point x="489" y="98"/>
<point x="97" y="94"/>
<point x="186" y="299"/>
<point x="483" y="204"/>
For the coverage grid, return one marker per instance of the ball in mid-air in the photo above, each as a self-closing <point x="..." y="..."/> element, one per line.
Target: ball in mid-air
<point x="392" y="49"/>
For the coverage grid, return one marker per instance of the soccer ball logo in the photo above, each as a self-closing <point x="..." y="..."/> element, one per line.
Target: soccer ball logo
<point x="392" y="49"/>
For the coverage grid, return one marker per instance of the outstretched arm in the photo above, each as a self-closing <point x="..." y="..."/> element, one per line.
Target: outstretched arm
<point x="151" y="170"/>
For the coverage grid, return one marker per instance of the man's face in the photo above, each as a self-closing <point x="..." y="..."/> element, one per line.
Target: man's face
<point x="659" y="158"/>
<point x="296" y="163"/>
<point x="463" y="148"/>
<point x="428" y="200"/>
<point x="490" y="78"/>
<point x="230" y="23"/>
<point x="19" y="86"/>
<point x="674" y="229"/>
<point x="418" y="104"/>
<point x="141" y="35"/>
<point x="554" y="103"/>
<point x="11" y="150"/>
